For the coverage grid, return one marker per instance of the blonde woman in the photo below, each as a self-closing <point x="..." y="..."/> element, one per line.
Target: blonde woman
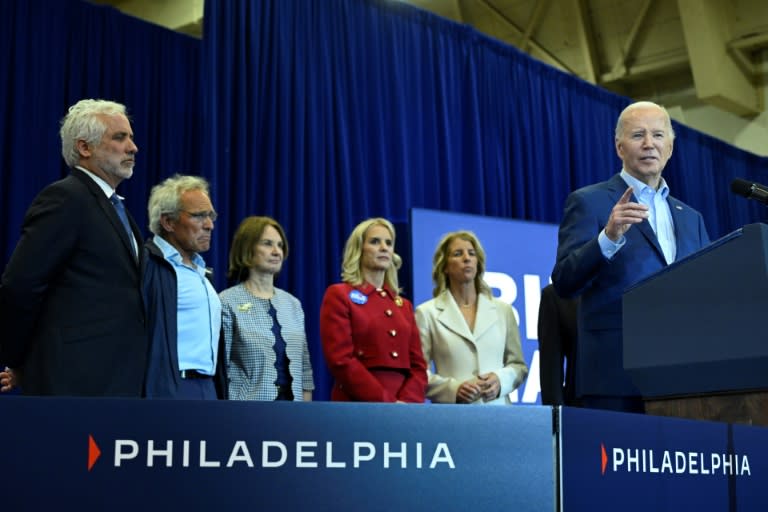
<point x="369" y="336"/>
<point x="472" y="337"/>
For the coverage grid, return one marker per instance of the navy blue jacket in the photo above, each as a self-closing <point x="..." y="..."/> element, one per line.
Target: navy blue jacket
<point x="581" y="270"/>
<point x="160" y="293"/>
<point x="72" y="315"/>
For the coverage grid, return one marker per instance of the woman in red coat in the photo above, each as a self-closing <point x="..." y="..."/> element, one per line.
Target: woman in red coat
<point x="369" y="334"/>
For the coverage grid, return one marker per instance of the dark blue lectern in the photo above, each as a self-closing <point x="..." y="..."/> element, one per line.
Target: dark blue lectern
<point x="694" y="342"/>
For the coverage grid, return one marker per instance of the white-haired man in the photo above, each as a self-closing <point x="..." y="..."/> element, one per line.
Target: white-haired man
<point x="72" y="310"/>
<point x="183" y="308"/>
<point x="612" y="235"/>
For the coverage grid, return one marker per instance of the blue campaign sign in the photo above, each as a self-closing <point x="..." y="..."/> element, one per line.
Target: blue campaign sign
<point x="112" y="454"/>
<point x="519" y="259"/>
<point x="628" y="462"/>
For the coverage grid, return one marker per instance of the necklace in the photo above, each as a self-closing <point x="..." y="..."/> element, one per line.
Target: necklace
<point x="468" y="305"/>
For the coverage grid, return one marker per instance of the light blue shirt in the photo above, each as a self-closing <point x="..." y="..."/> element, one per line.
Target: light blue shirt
<point x="198" y="312"/>
<point x="659" y="217"/>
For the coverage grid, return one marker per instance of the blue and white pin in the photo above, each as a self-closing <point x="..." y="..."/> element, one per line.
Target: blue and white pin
<point x="358" y="297"/>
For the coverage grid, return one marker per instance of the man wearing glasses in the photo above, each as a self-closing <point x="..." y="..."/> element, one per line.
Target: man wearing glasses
<point x="183" y="308"/>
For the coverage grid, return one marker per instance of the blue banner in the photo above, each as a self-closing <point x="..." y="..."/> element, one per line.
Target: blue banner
<point x="108" y="454"/>
<point x="628" y="462"/>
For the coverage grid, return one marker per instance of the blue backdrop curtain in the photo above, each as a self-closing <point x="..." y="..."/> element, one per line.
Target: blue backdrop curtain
<point x="55" y="53"/>
<point x="321" y="113"/>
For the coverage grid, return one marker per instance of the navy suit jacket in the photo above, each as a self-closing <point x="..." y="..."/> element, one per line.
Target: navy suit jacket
<point x="72" y="309"/>
<point x="557" y="347"/>
<point x="581" y="270"/>
<point x="161" y="302"/>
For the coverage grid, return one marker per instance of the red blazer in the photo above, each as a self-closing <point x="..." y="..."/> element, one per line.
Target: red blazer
<point x="365" y="335"/>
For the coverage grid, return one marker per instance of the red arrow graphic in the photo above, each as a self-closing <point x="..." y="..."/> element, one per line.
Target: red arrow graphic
<point x="603" y="459"/>
<point x="93" y="452"/>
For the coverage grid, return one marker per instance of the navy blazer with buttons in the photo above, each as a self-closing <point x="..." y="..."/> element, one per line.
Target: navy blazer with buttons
<point x="582" y="270"/>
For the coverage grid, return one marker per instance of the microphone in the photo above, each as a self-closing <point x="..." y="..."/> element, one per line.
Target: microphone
<point x="750" y="190"/>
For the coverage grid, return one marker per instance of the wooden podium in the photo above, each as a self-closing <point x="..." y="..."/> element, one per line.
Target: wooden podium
<point x="695" y="341"/>
<point x="745" y="408"/>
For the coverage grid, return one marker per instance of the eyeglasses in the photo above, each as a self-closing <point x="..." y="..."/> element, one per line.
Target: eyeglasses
<point x="201" y="216"/>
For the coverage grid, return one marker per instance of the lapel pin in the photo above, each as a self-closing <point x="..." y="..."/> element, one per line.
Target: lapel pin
<point x="358" y="297"/>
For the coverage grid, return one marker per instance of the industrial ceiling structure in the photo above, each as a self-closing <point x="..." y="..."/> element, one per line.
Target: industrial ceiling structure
<point x="681" y="53"/>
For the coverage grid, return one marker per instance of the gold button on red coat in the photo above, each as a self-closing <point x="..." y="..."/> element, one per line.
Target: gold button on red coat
<point x="393" y="354"/>
<point x="393" y="333"/>
<point x="388" y="312"/>
<point x="383" y="293"/>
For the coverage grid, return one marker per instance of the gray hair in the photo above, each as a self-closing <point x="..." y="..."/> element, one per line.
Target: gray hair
<point x="83" y="122"/>
<point x="165" y="198"/>
<point x="642" y="104"/>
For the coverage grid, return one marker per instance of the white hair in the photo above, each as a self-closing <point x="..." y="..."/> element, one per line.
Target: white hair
<point x="165" y="198"/>
<point x="642" y="104"/>
<point x="83" y="122"/>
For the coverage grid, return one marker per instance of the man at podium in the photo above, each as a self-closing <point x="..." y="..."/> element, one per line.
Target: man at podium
<point x="612" y="235"/>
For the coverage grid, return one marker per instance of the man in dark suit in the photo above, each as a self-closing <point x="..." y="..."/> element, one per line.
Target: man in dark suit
<point x="73" y="320"/>
<point x="557" y="347"/>
<point x="613" y="234"/>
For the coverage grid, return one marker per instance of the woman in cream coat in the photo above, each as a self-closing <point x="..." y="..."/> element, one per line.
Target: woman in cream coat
<point x="472" y="337"/>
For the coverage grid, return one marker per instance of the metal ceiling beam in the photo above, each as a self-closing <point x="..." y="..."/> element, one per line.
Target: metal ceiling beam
<point x="717" y="75"/>
<point x="460" y="11"/>
<point x="644" y="70"/>
<point x="750" y="42"/>
<point x="172" y="14"/>
<point x="548" y="56"/>
<point x="586" y="40"/>
<point x="742" y="48"/>
<point x="533" y="23"/>
<point x="627" y="51"/>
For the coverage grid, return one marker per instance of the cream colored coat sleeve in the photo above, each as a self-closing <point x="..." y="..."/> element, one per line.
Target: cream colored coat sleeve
<point x="459" y="354"/>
